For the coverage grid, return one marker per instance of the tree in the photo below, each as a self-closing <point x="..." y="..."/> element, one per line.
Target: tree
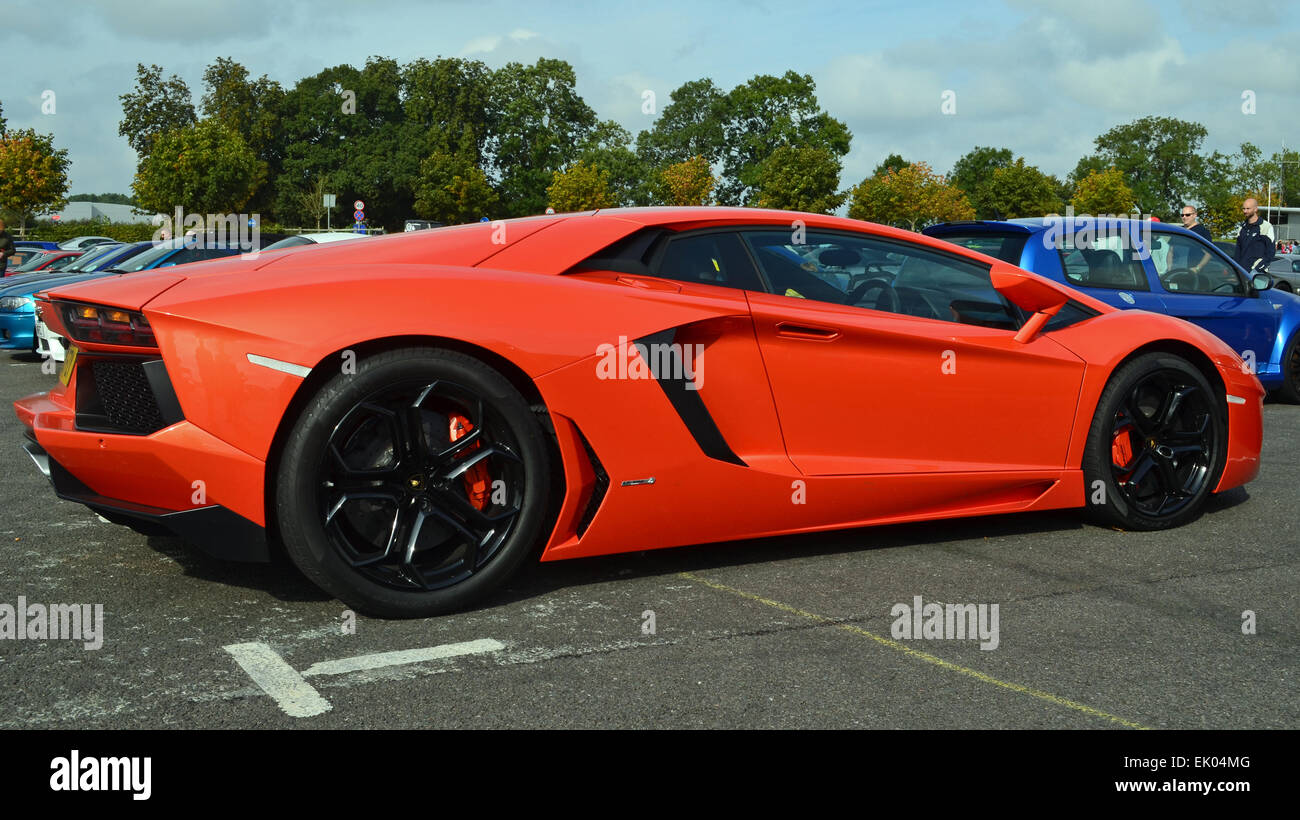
<point x="580" y="187"/>
<point x="541" y="123"/>
<point x="1159" y="160"/>
<point x="689" y="126"/>
<point x="250" y="107"/>
<point x="116" y="199"/>
<point x="154" y="107"/>
<point x="630" y="183"/>
<point x="2" y="120"/>
<point x="1102" y="192"/>
<point x="764" y="114"/>
<point x="33" y="174"/>
<point x="348" y="123"/>
<point x="973" y="174"/>
<point x="448" y="101"/>
<point x="801" y="179"/>
<point x="453" y="190"/>
<point x="1019" y="190"/>
<point x="310" y="201"/>
<point x="739" y="130"/>
<point x="204" y="168"/>
<point x="893" y="162"/>
<point x="689" y="182"/>
<point x="912" y="196"/>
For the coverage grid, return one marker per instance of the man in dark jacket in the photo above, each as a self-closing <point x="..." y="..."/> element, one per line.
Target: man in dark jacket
<point x="1193" y="224"/>
<point x="6" y="247"/>
<point x="1255" y="239"/>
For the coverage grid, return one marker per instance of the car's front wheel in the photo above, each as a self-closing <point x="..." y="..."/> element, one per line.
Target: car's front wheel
<point x="1157" y="444"/>
<point x="1290" y="390"/>
<point x="415" y="485"/>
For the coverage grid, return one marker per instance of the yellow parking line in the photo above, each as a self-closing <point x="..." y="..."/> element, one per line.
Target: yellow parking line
<point x="921" y="656"/>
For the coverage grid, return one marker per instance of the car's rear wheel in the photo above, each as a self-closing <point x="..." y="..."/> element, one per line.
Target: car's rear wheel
<point x="1290" y="390"/>
<point x="1157" y="444"/>
<point x="415" y="485"/>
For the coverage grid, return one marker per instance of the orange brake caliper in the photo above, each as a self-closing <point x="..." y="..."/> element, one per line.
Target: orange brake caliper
<point x="476" y="478"/>
<point x="1121" y="449"/>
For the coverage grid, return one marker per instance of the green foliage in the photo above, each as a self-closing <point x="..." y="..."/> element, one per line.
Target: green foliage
<point x="739" y="130"/>
<point x="911" y="197"/>
<point x="973" y="173"/>
<point x="542" y="122"/>
<point x="204" y="168"/>
<point x="801" y="179"/>
<point x="33" y="174"/>
<point x="629" y="179"/>
<point x="453" y="190"/>
<point x="689" y="182"/>
<point x="114" y="199"/>
<point x="1159" y="159"/>
<point x="893" y="162"/>
<point x="580" y="187"/>
<point x="121" y="231"/>
<point x="154" y="107"/>
<point x="1020" y="190"/>
<point x="1102" y="192"/>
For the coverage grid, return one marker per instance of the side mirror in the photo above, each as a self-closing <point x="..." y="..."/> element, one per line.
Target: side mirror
<point x="1261" y="281"/>
<point x="1028" y="292"/>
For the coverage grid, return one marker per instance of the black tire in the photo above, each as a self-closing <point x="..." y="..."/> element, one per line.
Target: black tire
<point x="1157" y="445"/>
<point x="1290" y="389"/>
<point x="379" y="494"/>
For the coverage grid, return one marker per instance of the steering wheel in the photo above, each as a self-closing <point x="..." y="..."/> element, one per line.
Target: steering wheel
<point x="1176" y="278"/>
<point x="886" y="290"/>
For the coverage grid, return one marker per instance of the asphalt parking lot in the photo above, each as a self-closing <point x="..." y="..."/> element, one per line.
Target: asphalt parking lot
<point x="1098" y="628"/>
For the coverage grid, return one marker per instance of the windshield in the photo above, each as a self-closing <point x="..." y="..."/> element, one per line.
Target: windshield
<point x="143" y="260"/>
<point x="32" y="263"/>
<point x="1004" y="246"/>
<point x="291" y="242"/>
<point x="87" y="259"/>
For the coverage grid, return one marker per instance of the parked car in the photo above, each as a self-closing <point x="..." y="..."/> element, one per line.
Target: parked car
<point x="83" y="242"/>
<point x="17" y="307"/>
<point x="42" y="260"/>
<point x="312" y="239"/>
<point x="39" y="244"/>
<point x="1285" y="270"/>
<point x="139" y="256"/>
<point x="550" y="394"/>
<point x="1176" y="272"/>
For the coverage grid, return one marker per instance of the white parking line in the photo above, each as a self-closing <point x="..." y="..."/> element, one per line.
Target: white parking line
<point x="382" y="659"/>
<point x="298" y="698"/>
<point x="278" y="679"/>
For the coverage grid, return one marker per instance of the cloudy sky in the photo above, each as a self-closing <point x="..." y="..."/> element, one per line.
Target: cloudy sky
<point x="1041" y="77"/>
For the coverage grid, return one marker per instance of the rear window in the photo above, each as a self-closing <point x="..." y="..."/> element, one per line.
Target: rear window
<point x="1004" y="246"/>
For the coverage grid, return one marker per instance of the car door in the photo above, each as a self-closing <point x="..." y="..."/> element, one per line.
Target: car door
<point x="1106" y="266"/>
<point x="912" y="367"/>
<point x="1199" y="284"/>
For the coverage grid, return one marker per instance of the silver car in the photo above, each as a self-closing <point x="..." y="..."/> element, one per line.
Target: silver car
<point x="1285" y="270"/>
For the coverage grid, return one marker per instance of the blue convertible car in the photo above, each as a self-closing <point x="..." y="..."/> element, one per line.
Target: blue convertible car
<point x="1157" y="267"/>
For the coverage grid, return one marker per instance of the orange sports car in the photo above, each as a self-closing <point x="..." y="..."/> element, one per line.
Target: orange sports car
<point x="413" y="416"/>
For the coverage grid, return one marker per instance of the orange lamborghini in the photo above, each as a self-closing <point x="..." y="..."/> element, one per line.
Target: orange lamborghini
<point x="411" y="417"/>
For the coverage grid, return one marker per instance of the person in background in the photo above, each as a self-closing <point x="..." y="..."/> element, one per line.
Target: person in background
<point x="6" y="247"/>
<point x="1193" y="224"/>
<point x="1255" y="239"/>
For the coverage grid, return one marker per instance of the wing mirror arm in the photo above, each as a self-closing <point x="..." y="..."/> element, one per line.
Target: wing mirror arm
<point x="1031" y="293"/>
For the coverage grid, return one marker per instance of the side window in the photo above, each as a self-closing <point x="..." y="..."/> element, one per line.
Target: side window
<point x="1187" y="266"/>
<point x="877" y="274"/>
<point x="708" y="259"/>
<point x="1104" y="262"/>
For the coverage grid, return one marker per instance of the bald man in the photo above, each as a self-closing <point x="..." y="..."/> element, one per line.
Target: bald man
<point x="1255" y="239"/>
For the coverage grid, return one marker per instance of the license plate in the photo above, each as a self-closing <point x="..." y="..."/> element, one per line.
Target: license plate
<point x="69" y="361"/>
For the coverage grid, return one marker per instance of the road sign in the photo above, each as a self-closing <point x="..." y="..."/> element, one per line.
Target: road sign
<point x="329" y="201"/>
<point x="359" y="205"/>
<point x="359" y="215"/>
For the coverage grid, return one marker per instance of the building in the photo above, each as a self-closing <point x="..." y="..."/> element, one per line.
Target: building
<point x="102" y="211"/>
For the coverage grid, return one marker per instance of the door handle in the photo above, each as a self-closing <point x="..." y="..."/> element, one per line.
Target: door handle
<point x="807" y="332"/>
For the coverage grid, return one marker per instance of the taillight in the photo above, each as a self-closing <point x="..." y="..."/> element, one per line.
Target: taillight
<point x="107" y="325"/>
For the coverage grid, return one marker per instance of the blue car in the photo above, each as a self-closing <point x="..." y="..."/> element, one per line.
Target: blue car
<point x="1154" y="266"/>
<point x="17" y="294"/>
